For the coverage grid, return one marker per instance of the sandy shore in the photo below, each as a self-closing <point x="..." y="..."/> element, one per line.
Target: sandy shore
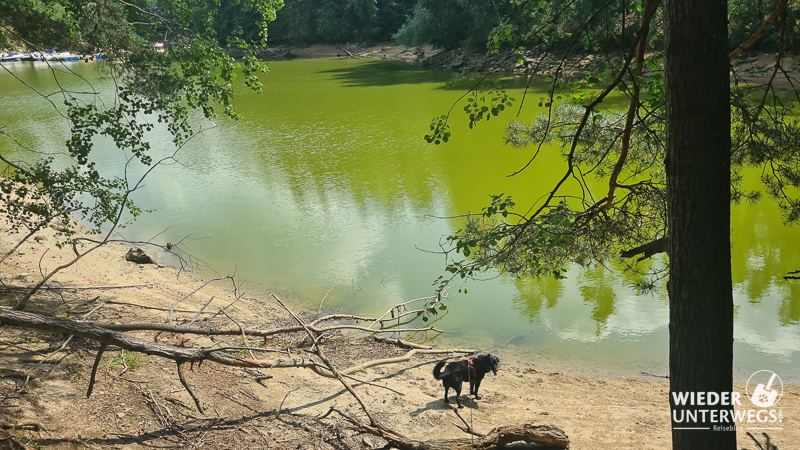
<point x="146" y="405"/>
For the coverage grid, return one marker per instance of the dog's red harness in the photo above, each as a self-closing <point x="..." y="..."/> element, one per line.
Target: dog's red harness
<point x="474" y="370"/>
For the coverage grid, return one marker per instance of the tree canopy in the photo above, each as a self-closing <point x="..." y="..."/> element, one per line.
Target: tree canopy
<point x="656" y="177"/>
<point x="192" y="76"/>
<point x="622" y="151"/>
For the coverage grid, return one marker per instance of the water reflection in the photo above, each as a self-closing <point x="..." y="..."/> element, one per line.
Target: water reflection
<point x="534" y="294"/>
<point x="327" y="181"/>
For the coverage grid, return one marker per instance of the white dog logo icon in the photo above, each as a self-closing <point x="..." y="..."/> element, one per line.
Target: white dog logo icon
<point x="763" y="395"/>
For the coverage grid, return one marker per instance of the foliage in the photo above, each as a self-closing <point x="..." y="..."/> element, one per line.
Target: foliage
<point x="128" y="360"/>
<point x="452" y="23"/>
<point x="193" y="76"/>
<point x="767" y="136"/>
<point x="34" y="20"/>
<point x="612" y="195"/>
<point x="337" y="21"/>
<point x="567" y="25"/>
<point x="746" y="16"/>
<point x="663" y="139"/>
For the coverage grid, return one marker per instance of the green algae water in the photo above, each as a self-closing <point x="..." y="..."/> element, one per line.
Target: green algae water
<point x="327" y="189"/>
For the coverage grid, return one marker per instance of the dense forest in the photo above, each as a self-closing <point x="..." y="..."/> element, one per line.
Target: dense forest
<point x="581" y="26"/>
<point x="585" y="26"/>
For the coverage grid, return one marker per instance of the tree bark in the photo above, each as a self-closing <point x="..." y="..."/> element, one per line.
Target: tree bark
<point x="698" y="199"/>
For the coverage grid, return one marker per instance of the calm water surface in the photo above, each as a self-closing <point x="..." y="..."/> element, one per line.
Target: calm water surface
<point x="328" y="182"/>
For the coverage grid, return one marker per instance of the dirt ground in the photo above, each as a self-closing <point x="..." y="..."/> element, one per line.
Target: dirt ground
<point x="138" y="401"/>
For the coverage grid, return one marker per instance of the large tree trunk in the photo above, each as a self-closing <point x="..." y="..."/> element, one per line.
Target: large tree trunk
<point x="698" y="196"/>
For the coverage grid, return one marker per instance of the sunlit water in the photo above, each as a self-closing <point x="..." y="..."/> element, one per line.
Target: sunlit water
<point x="327" y="185"/>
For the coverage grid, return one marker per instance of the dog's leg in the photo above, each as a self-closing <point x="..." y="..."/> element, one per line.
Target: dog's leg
<point x="477" y="386"/>
<point x="457" y="388"/>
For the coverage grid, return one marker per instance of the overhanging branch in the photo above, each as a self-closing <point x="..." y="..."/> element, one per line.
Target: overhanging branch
<point x="647" y="250"/>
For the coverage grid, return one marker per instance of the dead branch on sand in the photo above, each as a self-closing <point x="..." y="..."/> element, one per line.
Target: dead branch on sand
<point x="544" y="435"/>
<point x="315" y="330"/>
<point x="495" y="439"/>
<point x="110" y="334"/>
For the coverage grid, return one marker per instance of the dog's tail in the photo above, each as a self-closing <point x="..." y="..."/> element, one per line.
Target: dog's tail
<point x="437" y="370"/>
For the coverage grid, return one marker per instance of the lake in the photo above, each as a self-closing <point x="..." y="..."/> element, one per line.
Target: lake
<point x="327" y="189"/>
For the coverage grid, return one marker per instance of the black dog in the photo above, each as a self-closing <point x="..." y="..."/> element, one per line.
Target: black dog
<point x="472" y="370"/>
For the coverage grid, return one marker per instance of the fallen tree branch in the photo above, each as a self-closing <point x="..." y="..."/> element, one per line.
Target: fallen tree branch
<point x="75" y="288"/>
<point x="466" y="428"/>
<point x="225" y="331"/>
<point x="188" y="388"/>
<point x="107" y="336"/>
<point x="401" y="343"/>
<point x="23" y="425"/>
<point x="92" y="378"/>
<point x="113" y="302"/>
<point x="544" y="435"/>
<point x="313" y="326"/>
<point x="404" y="358"/>
<point x="172" y="308"/>
<point x="372" y="419"/>
<point x="9" y="316"/>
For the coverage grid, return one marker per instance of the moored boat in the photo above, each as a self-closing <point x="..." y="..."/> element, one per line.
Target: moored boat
<point x="66" y="56"/>
<point x="14" y="56"/>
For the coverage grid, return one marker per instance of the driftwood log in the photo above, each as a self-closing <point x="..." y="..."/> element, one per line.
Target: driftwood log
<point x="547" y="436"/>
<point x="544" y="435"/>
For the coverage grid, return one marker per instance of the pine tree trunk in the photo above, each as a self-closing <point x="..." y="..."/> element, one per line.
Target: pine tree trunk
<point x="698" y="196"/>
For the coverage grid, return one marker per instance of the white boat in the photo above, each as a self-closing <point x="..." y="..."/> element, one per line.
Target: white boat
<point x="15" y="56"/>
<point x="40" y="56"/>
<point x="66" y="56"/>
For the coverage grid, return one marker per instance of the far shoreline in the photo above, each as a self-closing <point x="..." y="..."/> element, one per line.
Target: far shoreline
<point x="751" y="68"/>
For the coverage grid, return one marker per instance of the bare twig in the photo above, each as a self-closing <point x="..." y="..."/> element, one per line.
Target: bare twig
<point x="75" y="288"/>
<point x="373" y="420"/>
<point x="466" y="428"/>
<point x="97" y="358"/>
<point x="326" y="296"/>
<point x="188" y="388"/>
<point x="172" y="308"/>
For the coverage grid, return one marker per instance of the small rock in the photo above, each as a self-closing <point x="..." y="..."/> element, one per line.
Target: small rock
<point x="59" y="227"/>
<point x="138" y="256"/>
